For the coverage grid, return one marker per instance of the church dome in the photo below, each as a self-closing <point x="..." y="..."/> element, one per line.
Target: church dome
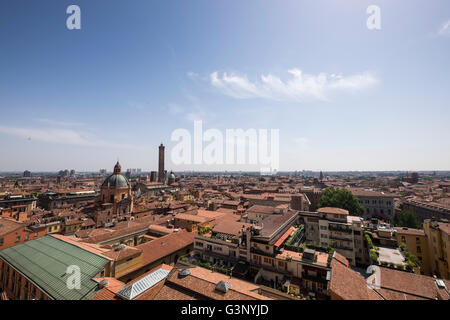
<point x="116" y="179"/>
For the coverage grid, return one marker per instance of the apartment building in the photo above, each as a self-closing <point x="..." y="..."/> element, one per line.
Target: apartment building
<point x="225" y="244"/>
<point x="336" y="228"/>
<point x="427" y="210"/>
<point x="13" y="233"/>
<point x="417" y="243"/>
<point x="438" y="234"/>
<point x="376" y="204"/>
<point x="257" y="213"/>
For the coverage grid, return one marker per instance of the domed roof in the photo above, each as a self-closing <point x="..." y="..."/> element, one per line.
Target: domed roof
<point x="116" y="180"/>
<point x="171" y="176"/>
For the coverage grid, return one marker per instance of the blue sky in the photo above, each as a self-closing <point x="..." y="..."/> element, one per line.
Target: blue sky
<point x="343" y="97"/>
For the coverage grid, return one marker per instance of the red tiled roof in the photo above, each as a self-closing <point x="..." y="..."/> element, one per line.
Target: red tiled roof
<point x="346" y="284"/>
<point x="333" y="210"/>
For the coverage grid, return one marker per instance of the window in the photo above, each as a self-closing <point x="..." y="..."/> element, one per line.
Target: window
<point x="419" y="249"/>
<point x="1" y="241"/>
<point x="27" y="236"/>
<point x="403" y="239"/>
<point x="18" y="239"/>
<point x="417" y="240"/>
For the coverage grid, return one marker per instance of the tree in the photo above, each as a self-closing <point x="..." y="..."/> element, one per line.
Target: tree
<point x="406" y="218"/>
<point x="341" y="198"/>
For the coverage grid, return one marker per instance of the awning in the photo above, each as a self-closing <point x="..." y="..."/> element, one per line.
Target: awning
<point x="284" y="237"/>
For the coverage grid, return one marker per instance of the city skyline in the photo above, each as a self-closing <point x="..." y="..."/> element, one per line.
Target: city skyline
<point x="344" y="98"/>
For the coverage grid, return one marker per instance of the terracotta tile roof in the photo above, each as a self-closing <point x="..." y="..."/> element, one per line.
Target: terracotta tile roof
<point x="191" y="217"/>
<point x="346" y="284"/>
<point x="369" y="193"/>
<point x="410" y="231"/>
<point x="105" y="294"/>
<point x="262" y="209"/>
<point x="409" y="284"/>
<point x="9" y="225"/>
<point x="333" y="210"/>
<point x="201" y="283"/>
<point x="117" y="233"/>
<point x="122" y="254"/>
<point x="173" y="292"/>
<point x="230" y="227"/>
<point x="159" y="248"/>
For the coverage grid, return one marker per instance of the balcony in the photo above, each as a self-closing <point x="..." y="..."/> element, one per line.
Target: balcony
<point x="340" y="229"/>
<point x="318" y="278"/>
<point x="335" y="237"/>
<point x="262" y="252"/>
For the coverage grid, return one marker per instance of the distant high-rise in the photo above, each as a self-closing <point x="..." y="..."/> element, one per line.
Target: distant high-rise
<point x="161" y="174"/>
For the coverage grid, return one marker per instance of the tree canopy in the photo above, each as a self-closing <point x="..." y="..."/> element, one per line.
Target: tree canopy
<point x="406" y="218"/>
<point x="341" y="198"/>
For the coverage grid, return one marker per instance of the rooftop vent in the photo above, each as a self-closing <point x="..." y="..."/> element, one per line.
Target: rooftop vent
<point x="184" y="273"/>
<point x="440" y="284"/>
<point x="120" y="247"/>
<point x="223" y="286"/>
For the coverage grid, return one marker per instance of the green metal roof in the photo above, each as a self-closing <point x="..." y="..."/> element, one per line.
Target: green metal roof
<point x="116" y="180"/>
<point x="45" y="260"/>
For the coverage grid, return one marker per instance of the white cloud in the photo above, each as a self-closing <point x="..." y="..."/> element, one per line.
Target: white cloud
<point x="61" y="136"/>
<point x="444" y="30"/>
<point x="192" y="75"/>
<point x="299" y="87"/>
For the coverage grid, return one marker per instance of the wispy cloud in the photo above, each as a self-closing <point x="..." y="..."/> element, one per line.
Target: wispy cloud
<point x="192" y="75"/>
<point x="62" y="136"/>
<point x="299" y="87"/>
<point x="444" y="30"/>
<point x="191" y="110"/>
<point x="174" y="108"/>
<point x="59" y="123"/>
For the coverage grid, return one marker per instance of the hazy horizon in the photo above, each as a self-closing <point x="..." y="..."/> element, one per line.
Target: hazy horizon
<point x="344" y="98"/>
